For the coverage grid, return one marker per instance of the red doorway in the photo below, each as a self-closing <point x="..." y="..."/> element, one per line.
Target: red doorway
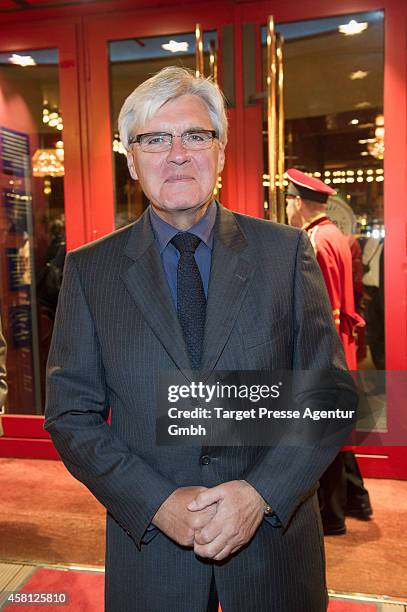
<point x="89" y="180"/>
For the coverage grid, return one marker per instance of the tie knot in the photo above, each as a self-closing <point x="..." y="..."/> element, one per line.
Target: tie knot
<point x="185" y="242"/>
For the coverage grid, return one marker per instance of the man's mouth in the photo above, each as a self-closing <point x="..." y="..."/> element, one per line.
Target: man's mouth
<point x="179" y="178"/>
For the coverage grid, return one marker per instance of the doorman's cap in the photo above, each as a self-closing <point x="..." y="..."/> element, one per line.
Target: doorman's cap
<point x="307" y="187"/>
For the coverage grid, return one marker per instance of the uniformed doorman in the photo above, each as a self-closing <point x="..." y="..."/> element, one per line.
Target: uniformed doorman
<point x="307" y="199"/>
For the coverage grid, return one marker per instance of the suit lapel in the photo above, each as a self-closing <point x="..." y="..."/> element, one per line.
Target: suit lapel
<point x="229" y="280"/>
<point x="146" y="282"/>
<point x="230" y="277"/>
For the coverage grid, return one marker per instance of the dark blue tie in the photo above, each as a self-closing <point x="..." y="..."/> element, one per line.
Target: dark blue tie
<point x="191" y="300"/>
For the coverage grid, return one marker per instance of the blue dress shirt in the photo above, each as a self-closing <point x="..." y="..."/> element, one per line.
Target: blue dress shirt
<point x="164" y="233"/>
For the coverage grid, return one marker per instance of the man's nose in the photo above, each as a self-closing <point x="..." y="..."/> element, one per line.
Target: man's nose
<point x="178" y="154"/>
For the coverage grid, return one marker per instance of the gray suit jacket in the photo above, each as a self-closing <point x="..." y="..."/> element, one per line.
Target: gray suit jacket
<point x="116" y="328"/>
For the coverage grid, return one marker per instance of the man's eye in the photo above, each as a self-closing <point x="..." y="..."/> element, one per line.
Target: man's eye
<point x="196" y="137"/>
<point x="154" y="140"/>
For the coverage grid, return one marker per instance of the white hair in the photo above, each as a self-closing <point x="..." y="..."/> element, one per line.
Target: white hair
<point x="171" y="82"/>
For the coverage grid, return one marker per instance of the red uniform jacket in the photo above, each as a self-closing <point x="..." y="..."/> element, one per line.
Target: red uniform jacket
<point x="335" y="259"/>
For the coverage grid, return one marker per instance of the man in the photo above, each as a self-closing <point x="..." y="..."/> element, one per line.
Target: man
<point x="190" y="285"/>
<point x="307" y="199"/>
<point x="3" y="376"/>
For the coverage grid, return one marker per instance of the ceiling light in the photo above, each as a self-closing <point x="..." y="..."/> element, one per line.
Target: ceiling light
<point x="358" y="74"/>
<point x="22" y="60"/>
<point x="175" y="46"/>
<point x="353" y="121"/>
<point x="353" y="27"/>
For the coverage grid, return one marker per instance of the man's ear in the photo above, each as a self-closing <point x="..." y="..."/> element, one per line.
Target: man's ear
<point x="221" y="157"/>
<point x="130" y="164"/>
<point x="299" y="204"/>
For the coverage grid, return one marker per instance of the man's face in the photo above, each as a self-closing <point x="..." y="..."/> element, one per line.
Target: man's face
<point x="292" y="209"/>
<point x="178" y="179"/>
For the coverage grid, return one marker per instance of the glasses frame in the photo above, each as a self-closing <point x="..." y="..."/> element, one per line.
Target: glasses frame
<point x="137" y="139"/>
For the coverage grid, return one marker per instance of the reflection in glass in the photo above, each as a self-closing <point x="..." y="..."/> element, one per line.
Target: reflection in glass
<point x="32" y="227"/>
<point x="132" y="62"/>
<point x="334" y="130"/>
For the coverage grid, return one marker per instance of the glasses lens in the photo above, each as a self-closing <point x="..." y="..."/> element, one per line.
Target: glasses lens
<point x="201" y="139"/>
<point x="162" y="141"/>
<point x="155" y="142"/>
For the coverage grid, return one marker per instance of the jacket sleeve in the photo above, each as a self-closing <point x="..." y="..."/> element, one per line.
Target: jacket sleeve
<point x="76" y="418"/>
<point x="286" y="475"/>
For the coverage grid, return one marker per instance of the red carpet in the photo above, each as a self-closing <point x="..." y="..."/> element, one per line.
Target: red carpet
<point x="350" y="606"/>
<point x="85" y="593"/>
<point x="370" y="558"/>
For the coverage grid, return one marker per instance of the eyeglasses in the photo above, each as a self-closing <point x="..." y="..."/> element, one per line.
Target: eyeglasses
<point x="155" y="142"/>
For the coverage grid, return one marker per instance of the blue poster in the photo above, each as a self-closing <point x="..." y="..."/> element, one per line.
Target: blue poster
<point x="14" y="152"/>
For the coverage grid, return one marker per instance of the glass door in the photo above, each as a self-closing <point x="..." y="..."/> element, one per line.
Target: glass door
<point x="123" y="52"/>
<point x="334" y="130"/>
<point x="41" y="208"/>
<point x="344" y="85"/>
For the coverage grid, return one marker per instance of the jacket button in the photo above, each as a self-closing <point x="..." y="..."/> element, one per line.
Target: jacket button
<point x="205" y="460"/>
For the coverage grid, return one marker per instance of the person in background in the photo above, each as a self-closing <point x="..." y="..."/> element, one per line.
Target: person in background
<point x="306" y="200"/>
<point x="3" y="374"/>
<point x="373" y="283"/>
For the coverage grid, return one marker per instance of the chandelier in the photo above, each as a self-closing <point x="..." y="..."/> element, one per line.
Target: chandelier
<point x="49" y="162"/>
<point x="52" y="117"/>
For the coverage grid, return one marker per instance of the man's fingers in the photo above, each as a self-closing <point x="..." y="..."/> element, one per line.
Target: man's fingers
<point x="226" y="552"/>
<point x="235" y="549"/>
<point x="208" y="533"/>
<point x="199" y="520"/>
<point x="205" y="499"/>
<point x="212" y="549"/>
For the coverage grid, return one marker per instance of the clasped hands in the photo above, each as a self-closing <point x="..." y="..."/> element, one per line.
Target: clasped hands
<point x="216" y="522"/>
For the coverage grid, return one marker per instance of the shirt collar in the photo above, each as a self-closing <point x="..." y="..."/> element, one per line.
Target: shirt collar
<point x="315" y="222"/>
<point x="164" y="232"/>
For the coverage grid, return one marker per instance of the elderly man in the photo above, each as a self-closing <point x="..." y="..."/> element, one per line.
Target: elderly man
<point x="190" y="285"/>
